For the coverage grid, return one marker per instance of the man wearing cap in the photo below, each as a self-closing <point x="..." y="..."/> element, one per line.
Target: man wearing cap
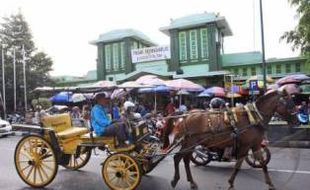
<point x="102" y="124"/>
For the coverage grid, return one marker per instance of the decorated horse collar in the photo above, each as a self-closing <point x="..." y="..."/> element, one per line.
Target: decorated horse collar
<point x="257" y="111"/>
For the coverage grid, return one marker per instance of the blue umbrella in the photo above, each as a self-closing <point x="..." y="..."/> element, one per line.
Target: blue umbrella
<point x="205" y="93"/>
<point x="62" y="97"/>
<point x="157" y="89"/>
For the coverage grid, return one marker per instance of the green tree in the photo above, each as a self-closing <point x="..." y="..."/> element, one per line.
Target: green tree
<point x="300" y="36"/>
<point x="14" y="35"/>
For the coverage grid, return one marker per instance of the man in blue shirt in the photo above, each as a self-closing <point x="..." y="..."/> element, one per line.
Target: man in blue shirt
<point x="102" y="124"/>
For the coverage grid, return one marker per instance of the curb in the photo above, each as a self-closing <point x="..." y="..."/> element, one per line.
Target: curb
<point x="291" y="144"/>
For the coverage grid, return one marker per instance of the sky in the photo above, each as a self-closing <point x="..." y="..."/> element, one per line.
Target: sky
<point x="64" y="28"/>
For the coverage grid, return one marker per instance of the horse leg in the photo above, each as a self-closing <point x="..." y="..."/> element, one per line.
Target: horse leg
<point x="240" y="155"/>
<point x="235" y="172"/>
<point x="177" y="158"/>
<point x="186" y="160"/>
<point x="258" y="155"/>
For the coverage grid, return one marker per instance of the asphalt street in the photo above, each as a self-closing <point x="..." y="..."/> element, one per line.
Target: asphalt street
<point x="289" y="169"/>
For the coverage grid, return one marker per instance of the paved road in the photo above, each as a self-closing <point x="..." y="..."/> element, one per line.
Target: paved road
<point x="289" y="168"/>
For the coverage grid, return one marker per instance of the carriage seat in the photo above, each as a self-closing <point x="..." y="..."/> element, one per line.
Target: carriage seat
<point x="58" y="122"/>
<point x="97" y="139"/>
<point x="72" y="132"/>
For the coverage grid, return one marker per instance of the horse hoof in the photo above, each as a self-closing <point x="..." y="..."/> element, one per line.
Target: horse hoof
<point x="194" y="186"/>
<point x="231" y="188"/>
<point x="173" y="183"/>
<point x="272" y="188"/>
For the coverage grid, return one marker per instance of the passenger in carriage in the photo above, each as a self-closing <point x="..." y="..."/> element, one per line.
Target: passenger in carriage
<point x="103" y="125"/>
<point x="217" y="103"/>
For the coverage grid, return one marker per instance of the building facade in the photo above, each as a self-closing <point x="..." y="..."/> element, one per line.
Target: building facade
<point x="196" y="53"/>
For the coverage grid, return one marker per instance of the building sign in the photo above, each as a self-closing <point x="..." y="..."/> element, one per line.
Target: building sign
<point x="150" y="54"/>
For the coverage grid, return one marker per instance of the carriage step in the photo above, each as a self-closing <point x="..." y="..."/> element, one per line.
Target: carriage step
<point x="93" y="145"/>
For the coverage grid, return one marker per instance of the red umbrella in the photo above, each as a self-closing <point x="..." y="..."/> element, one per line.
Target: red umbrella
<point x="292" y="79"/>
<point x="105" y="83"/>
<point x="291" y="88"/>
<point x="142" y="79"/>
<point x="216" y="91"/>
<point x="183" y="84"/>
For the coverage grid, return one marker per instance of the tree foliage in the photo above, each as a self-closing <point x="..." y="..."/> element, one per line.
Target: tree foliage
<point x="14" y="35"/>
<point x="300" y="36"/>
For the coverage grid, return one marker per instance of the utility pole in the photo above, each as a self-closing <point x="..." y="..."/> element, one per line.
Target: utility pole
<point x="3" y="83"/>
<point x="25" y="83"/>
<point x="231" y="89"/>
<point x="263" y="44"/>
<point x="14" y="77"/>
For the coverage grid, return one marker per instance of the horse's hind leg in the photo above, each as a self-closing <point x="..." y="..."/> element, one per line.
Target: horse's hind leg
<point x="186" y="160"/>
<point x="177" y="158"/>
<point x="258" y="155"/>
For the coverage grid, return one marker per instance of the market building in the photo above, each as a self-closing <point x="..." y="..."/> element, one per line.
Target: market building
<point x="195" y="52"/>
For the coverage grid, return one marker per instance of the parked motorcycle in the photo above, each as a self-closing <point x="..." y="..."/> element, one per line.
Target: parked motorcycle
<point x="203" y="156"/>
<point x="15" y="118"/>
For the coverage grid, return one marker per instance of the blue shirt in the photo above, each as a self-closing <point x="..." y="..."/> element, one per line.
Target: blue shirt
<point x="99" y="119"/>
<point x="115" y="113"/>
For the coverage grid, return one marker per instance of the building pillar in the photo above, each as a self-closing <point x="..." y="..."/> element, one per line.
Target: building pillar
<point x="100" y="62"/>
<point x="213" y="57"/>
<point x="174" y="48"/>
<point x="128" y="62"/>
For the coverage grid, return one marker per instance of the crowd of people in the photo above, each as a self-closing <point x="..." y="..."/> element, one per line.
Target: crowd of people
<point x="107" y="115"/>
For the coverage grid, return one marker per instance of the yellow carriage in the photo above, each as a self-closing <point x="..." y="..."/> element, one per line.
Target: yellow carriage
<point x="56" y="142"/>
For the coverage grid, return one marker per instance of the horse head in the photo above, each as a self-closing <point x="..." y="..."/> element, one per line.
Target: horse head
<point x="279" y="102"/>
<point x="286" y="108"/>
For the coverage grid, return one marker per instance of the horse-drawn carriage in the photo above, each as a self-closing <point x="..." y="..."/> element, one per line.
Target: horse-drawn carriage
<point x="56" y="142"/>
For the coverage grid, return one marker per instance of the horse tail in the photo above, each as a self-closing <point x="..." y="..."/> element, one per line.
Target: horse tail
<point x="167" y="131"/>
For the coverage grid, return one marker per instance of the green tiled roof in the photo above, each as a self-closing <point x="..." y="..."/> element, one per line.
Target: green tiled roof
<point x="197" y="20"/>
<point x="246" y="58"/>
<point x="252" y="58"/>
<point x="206" y="74"/>
<point x="120" y="34"/>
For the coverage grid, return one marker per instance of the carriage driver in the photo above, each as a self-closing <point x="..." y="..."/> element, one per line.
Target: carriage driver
<point x="103" y="125"/>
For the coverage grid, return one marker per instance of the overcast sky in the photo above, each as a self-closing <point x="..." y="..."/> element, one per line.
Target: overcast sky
<point x="63" y="28"/>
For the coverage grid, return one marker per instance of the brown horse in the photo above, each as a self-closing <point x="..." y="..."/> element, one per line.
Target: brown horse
<point x="211" y="129"/>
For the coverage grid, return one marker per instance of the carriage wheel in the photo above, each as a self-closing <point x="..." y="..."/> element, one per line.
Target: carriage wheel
<point x="198" y="159"/>
<point x="76" y="163"/>
<point x="252" y="161"/>
<point x="35" y="161"/>
<point x="121" y="172"/>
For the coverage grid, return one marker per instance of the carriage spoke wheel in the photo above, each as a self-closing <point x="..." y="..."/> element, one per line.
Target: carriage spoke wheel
<point x="254" y="162"/>
<point x="76" y="163"/>
<point x="121" y="172"/>
<point x="198" y="159"/>
<point x="35" y="161"/>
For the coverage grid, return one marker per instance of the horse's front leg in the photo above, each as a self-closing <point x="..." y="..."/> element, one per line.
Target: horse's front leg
<point x="177" y="158"/>
<point x="186" y="160"/>
<point x="241" y="155"/>
<point x="258" y="155"/>
<point x="235" y="172"/>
